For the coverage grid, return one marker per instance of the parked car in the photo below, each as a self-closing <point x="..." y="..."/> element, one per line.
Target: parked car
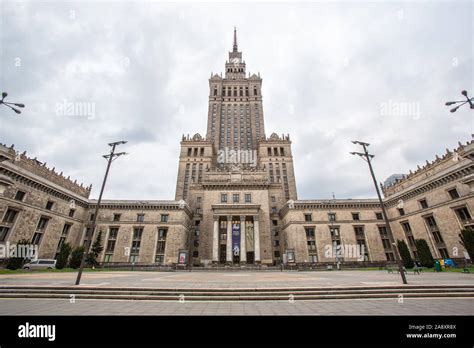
<point x="40" y="264"/>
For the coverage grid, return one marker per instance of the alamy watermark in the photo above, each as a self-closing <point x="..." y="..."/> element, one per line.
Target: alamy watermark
<point x="26" y="251"/>
<point x="239" y="156"/>
<point x="400" y="108"/>
<point x="77" y="109"/>
<point x="352" y="251"/>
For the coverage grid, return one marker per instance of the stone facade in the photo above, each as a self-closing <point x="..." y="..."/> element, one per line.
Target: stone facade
<point x="236" y="200"/>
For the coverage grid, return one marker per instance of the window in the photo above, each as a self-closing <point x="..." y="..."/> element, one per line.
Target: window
<point x="136" y="242"/>
<point x="444" y="253"/>
<point x="10" y="216"/>
<point x="453" y="193"/>
<point x="274" y="210"/>
<point x="235" y="198"/>
<point x="276" y="253"/>
<point x="3" y="233"/>
<point x="198" y="211"/>
<point x="190" y="151"/>
<point x="431" y="222"/>
<point x="332" y="216"/>
<point x="198" y="199"/>
<point x="117" y="217"/>
<point x="40" y="228"/>
<point x="248" y="198"/>
<point x="64" y="235"/>
<point x="401" y="211"/>
<point x="92" y="217"/>
<point x="423" y="203"/>
<point x="308" y="217"/>
<point x="71" y="212"/>
<point x="223" y="197"/>
<point x="406" y="226"/>
<point x="49" y="205"/>
<point x="389" y="256"/>
<point x="379" y="216"/>
<point x="162" y="232"/>
<point x="19" y="195"/>
<point x="437" y="237"/>
<point x="311" y="244"/>
<point x="276" y="243"/>
<point x="275" y="222"/>
<point x="355" y="216"/>
<point x="334" y="232"/>
<point x="164" y="217"/>
<point x="160" y="246"/>
<point x="110" y="247"/>
<point x="273" y="199"/>
<point x="309" y="232"/>
<point x="140" y="217"/>
<point x="463" y="214"/>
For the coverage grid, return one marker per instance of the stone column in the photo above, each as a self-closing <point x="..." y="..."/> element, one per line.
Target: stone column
<point x="215" y="240"/>
<point x="229" y="253"/>
<point x="243" y="249"/>
<point x="256" y="237"/>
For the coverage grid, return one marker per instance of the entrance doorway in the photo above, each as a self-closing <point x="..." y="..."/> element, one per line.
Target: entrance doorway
<point x="250" y="257"/>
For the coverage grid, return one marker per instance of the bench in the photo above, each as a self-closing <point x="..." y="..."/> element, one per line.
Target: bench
<point x="417" y="270"/>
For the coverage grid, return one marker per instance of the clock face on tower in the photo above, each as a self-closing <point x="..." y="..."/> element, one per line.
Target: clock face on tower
<point x="235" y="61"/>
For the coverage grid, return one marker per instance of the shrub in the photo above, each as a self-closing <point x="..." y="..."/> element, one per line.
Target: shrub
<point x="63" y="256"/>
<point x="95" y="251"/>
<point x="424" y="253"/>
<point x="467" y="240"/>
<point x="76" y="257"/>
<point x="405" y="254"/>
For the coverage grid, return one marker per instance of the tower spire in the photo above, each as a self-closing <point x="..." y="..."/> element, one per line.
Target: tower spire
<point x="235" y="39"/>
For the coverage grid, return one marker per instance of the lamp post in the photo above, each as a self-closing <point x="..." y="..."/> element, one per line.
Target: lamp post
<point x="2" y="101"/>
<point x="110" y="157"/>
<point x="468" y="100"/>
<point x="368" y="158"/>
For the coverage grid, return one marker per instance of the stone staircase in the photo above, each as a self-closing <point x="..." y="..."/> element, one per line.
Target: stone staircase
<point x="247" y="294"/>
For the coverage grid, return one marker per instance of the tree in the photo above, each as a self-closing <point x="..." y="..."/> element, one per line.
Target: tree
<point x="63" y="256"/>
<point x="424" y="253"/>
<point x="76" y="257"/>
<point x="467" y="240"/>
<point x="95" y="251"/>
<point x="19" y="260"/>
<point x="405" y="254"/>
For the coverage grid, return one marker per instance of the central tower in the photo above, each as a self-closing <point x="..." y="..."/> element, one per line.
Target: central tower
<point x="235" y="116"/>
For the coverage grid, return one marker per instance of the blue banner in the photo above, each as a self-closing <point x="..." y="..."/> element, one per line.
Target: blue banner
<point x="236" y="239"/>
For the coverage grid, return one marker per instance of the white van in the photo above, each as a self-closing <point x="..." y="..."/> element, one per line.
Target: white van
<point x="40" y="264"/>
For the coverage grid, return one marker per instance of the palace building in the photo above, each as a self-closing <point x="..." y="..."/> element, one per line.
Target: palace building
<point x="236" y="200"/>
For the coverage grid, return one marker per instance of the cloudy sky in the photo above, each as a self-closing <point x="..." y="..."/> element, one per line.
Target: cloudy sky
<point x="332" y="72"/>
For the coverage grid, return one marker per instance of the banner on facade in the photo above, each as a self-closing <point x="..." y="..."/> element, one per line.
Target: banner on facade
<point x="236" y="239"/>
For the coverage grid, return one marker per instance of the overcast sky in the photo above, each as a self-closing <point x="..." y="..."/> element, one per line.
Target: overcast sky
<point x="332" y="72"/>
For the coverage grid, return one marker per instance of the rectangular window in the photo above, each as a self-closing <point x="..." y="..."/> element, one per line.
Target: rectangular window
<point x="423" y="203"/>
<point x="401" y="211"/>
<point x="332" y="216"/>
<point x="3" y="233"/>
<point x="164" y="217"/>
<point x="273" y="199"/>
<point x="10" y="216"/>
<point x="334" y="232"/>
<point x="71" y="212"/>
<point x="274" y="210"/>
<point x="248" y="198"/>
<point x="223" y="197"/>
<point x="49" y="205"/>
<point x="444" y="253"/>
<point x="117" y="217"/>
<point x="235" y="198"/>
<point x="198" y="200"/>
<point x="355" y="216"/>
<point x="463" y="214"/>
<point x="136" y="243"/>
<point x="309" y="232"/>
<point x="19" y="195"/>
<point x="379" y="216"/>
<point x="406" y="226"/>
<point x="453" y="193"/>
<point x="140" y="217"/>
<point x="308" y="217"/>
<point x="40" y="228"/>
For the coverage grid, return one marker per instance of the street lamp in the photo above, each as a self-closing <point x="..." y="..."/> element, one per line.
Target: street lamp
<point x="468" y="100"/>
<point x="368" y="158"/>
<point x="2" y="101"/>
<point x="110" y="157"/>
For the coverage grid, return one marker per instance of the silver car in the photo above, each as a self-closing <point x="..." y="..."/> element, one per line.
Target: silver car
<point x="40" y="264"/>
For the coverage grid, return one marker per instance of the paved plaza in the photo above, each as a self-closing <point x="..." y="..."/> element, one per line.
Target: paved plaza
<point x="238" y="280"/>
<point x="430" y="306"/>
<point x="235" y="279"/>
